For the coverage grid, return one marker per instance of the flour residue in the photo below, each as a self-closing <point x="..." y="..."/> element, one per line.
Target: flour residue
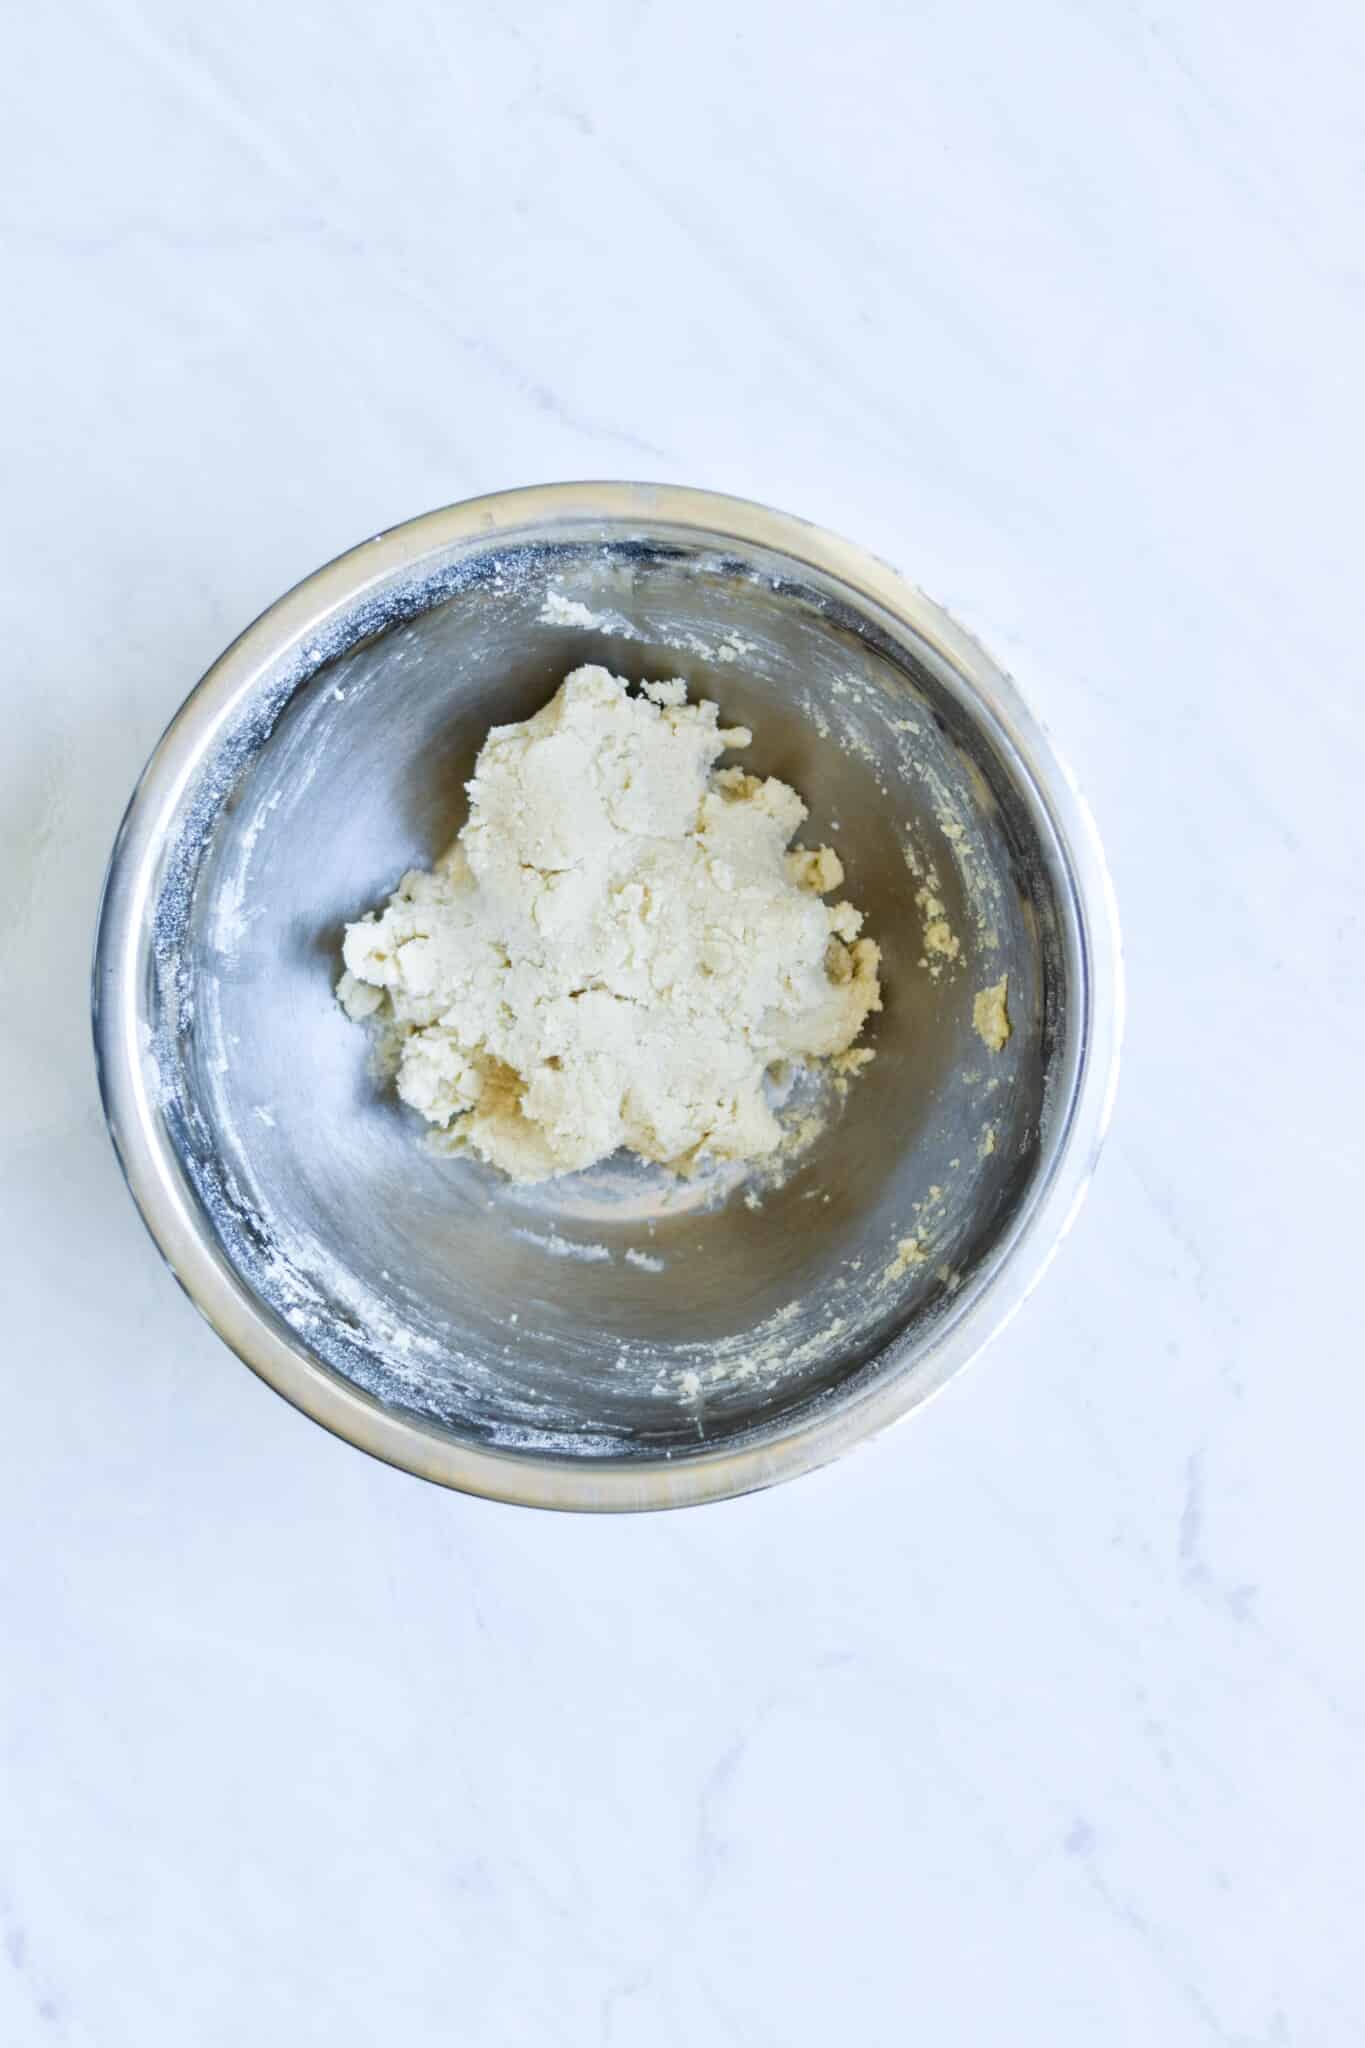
<point x="559" y="610"/>
<point x="564" y="1247"/>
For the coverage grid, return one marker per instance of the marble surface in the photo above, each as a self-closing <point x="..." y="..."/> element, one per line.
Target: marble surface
<point x="1041" y="1719"/>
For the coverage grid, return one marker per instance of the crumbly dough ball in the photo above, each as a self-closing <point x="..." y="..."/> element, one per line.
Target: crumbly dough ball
<point x="617" y="947"/>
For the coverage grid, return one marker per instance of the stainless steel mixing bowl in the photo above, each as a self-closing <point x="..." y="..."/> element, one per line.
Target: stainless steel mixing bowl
<point x="618" y="1339"/>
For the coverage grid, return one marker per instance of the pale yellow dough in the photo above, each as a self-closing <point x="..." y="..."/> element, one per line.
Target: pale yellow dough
<point x="991" y="1017"/>
<point x="617" y="948"/>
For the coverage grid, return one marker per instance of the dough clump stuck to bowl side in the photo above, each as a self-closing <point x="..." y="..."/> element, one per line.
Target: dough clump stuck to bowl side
<point x="619" y="945"/>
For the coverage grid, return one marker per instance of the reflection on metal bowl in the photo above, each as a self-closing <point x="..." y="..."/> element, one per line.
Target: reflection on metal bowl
<point x="621" y="1338"/>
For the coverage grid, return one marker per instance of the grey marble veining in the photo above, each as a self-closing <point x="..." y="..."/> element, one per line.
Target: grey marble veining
<point x="1042" y="1718"/>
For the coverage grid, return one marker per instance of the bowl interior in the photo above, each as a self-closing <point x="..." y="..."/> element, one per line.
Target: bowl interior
<point x="622" y="1311"/>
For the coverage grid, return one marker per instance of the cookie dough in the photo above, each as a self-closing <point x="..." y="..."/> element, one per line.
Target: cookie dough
<point x="619" y="946"/>
<point x="991" y="1017"/>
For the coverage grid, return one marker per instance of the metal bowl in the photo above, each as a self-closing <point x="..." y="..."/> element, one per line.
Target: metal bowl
<point x="620" y="1338"/>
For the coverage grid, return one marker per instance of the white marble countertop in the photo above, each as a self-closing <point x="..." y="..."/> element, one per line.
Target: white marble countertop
<point x="1040" y="1720"/>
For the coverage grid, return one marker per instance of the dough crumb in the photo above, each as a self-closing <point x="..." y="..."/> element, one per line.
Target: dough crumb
<point x="909" y="1252"/>
<point x="990" y="1016"/>
<point x="941" y="943"/>
<point x="819" y="871"/>
<point x="559" y="610"/>
<point x="617" y="948"/>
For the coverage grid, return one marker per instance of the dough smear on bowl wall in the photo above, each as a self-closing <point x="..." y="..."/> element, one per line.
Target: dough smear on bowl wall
<point x="620" y="947"/>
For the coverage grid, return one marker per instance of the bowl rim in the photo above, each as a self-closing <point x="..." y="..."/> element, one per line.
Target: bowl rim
<point x="912" y="1368"/>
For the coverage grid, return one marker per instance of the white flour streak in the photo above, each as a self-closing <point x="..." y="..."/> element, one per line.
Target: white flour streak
<point x="563" y="1247"/>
